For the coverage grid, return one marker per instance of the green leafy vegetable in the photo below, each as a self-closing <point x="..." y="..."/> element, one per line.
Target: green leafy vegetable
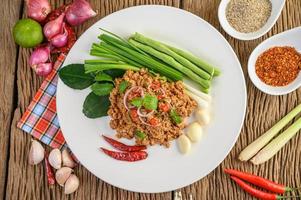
<point x="176" y="118"/>
<point x="74" y="76"/>
<point x="103" y="77"/>
<point x="141" y="135"/>
<point x="96" y="106"/>
<point x="102" y="89"/>
<point x="122" y="86"/>
<point x="137" y="102"/>
<point x="150" y="102"/>
<point x="114" y="73"/>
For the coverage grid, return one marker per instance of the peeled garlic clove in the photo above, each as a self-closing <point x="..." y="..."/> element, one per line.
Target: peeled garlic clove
<point x="55" y="158"/>
<point x="71" y="184"/>
<point x="62" y="175"/>
<point x="67" y="159"/>
<point x="184" y="144"/>
<point x="203" y="117"/>
<point x="36" y="153"/>
<point x="194" y="132"/>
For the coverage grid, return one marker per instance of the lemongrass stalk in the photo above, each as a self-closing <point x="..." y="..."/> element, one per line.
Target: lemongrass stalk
<point x="276" y="144"/>
<point x="260" y="142"/>
<point x="201" y="102"/>
<point x="204" y="96"/>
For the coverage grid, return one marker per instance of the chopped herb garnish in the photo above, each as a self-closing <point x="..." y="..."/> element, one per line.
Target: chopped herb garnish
<point x="176" y="118"/>
<point x="150" y="102"/>
<point x="123" y="85"/>
<point x="141" y="135"/>
<point x="137" y="102"/>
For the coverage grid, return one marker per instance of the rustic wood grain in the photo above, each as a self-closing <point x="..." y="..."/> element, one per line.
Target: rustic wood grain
<point x="8" y="57"/>
<point x="28" y="182"/>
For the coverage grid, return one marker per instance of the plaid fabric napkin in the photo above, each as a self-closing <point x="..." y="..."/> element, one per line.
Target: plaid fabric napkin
<point x="40" y="118"/>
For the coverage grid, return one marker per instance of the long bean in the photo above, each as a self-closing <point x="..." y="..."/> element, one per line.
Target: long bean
<point x="163" y="48"/>
<point x="171" y="61"/>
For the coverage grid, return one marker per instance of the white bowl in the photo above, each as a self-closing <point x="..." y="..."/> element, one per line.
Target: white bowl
<point x="288" y="38"/>
<point x="277" y="6"/>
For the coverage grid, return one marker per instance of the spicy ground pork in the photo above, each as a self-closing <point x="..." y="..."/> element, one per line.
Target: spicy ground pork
<point x="148" y="108"/>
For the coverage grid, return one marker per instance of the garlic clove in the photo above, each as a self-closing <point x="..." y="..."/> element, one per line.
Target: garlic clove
<point x="67" y="159"/>
<point x="55" y="158"/>
<point x="36" y="153"/>
<point x="194" y="132"/>
<point x="184" y="144"/>
<point x="71" y="184"/>
<point x="62" y="175"/>
<point x="203" y="117"/>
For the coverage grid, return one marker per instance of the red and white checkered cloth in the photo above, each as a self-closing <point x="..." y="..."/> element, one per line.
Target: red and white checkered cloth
<point x="40" y="118"/>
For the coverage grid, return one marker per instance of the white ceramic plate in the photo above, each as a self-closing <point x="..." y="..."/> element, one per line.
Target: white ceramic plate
<point x="164" y="169"/>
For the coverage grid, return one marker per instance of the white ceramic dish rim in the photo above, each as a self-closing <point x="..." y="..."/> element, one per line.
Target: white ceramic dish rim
<point x="247" y="36"/>
<point x="244" y="101"/>
<point x="251" y="67"/>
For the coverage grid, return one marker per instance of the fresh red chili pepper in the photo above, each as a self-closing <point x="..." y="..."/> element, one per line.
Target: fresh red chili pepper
<point x="49" y="172"/>
<point x="126" y="156"/>
<point x="259" y="181"/>
<point x="134" y="114"/>
<point x="164" y="107"/>
<point x="123" y="147"/>
<point x="153" y="121"/>
<point x="257" y="193"/>
<point x="155" y="85"/>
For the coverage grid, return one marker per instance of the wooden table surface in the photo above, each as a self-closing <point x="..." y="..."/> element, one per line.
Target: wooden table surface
<point x="18" y="84"/>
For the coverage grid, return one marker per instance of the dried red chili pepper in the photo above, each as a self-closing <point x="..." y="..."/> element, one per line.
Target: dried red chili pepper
<point x="126" y="156"/>
<point x="123" y="147"/>
<point x="259" y="181"/>
<point x="49" y="172"/>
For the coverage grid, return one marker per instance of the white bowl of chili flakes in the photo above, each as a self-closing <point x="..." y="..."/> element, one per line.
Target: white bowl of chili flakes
<point x="274" y="65"/>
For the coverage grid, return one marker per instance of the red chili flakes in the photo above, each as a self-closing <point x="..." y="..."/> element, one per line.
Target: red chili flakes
<point x="278" y="66"/>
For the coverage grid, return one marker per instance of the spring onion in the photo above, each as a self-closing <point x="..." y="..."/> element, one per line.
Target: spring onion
<point x="276" y="144"/>
<point x="202" y="95"/>
<point x="89" y="68"/>
<point x="201" y="102"/>
<point x="259" y="143"/>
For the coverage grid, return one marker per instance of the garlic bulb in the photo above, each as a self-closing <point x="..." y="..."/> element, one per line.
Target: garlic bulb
<point x="62" y="175"/>
<point x="71" y="184"/>
<point x="67" y="159"/>
<point x="55" y="158"/>
<point x="36" y="153"/>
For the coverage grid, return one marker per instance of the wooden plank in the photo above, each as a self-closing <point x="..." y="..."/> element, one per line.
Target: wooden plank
<point x="8" y="57"/>
<point x="28" y="182"/>
<point x="262" y="112"/>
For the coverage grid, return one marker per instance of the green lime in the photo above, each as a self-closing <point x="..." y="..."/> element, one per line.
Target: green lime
<point x="28" y="33"/>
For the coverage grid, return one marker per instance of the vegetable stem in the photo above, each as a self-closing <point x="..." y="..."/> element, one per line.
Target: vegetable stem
<point x="276" y="144"/>
<point x="259" y="143"/>
<point x="100" y="67"/>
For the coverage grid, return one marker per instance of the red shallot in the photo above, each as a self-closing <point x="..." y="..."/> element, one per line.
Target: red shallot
<point x="78" y="12"/>
<point x="60" y="40"/>
<point x="43" y="69"/>
<point x="39" y="55"/>
<point x="38" y="9"/>
<point x="54" y="27"/>
<point x="144" y="114"/>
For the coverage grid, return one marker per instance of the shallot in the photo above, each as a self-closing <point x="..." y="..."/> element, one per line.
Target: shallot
<point x="54" y="27"/>
<point x="39" y="55"/>
<point x="38" y="9"/>
<point x="36" y="153"/>
<point x="43" y="69"/>
<point x="55" y="158"/>
<point x="60" y="40"/>
<point x="78" y="12"/>
<point x="67" y="159"/>
<point x="71" y="184"/>
<point x="62" y="175"/>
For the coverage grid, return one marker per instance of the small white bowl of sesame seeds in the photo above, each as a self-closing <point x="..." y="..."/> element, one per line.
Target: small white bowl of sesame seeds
<point x="249" y="19"/>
